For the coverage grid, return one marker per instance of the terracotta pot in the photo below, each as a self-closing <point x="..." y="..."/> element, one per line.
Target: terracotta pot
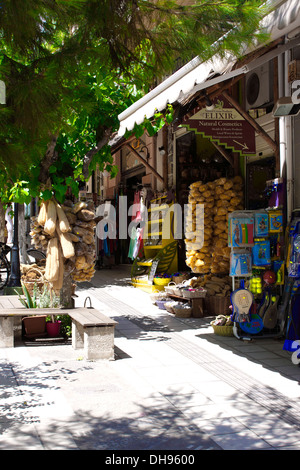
<point x="53" y="328"/>
<point x="34" y="326"/>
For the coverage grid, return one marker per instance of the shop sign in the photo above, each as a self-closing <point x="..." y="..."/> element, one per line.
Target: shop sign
<point x="223" y="125"/>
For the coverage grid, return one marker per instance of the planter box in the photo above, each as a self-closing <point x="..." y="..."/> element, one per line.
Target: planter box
<point x="35" y="326"/>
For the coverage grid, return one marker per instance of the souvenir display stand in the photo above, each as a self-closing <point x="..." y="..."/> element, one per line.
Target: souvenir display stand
<point x="290" y="308"/>
<point x="257" y="270"/>
<point x="160" y="250"/>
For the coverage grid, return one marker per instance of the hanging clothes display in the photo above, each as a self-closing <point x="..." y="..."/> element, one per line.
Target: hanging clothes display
<point x="136" y="212"/>
<point x="106" y="247"/>
<point x="106" y="236"/>
<point x="138" y="218"/>
<point x="132" y="243"/>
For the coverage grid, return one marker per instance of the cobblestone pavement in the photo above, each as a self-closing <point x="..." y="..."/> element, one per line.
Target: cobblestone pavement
<point x="174" y="385"/>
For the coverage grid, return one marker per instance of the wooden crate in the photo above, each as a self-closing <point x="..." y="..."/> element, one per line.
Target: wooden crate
<point x="215" y="306"/>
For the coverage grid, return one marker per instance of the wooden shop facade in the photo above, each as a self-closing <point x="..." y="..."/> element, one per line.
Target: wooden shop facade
<point x="232" y="147"/>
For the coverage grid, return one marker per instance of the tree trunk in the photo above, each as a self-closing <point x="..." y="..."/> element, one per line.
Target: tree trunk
<point x="2" y="223"/>
<point x="23" y="235"/>
<point x="66" y="292"/>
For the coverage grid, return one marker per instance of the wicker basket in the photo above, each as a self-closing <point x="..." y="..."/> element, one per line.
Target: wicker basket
<point x="182" y="311"/>
<point x="172" y="288"/>
<point x="161" y="304"/>
<point x="180" y="278"/>
<point x="193" y="293"/>
<point x="39" y="282"/>
<point x="222" y="330"/>
<point x="169" y="306"/>
<point x="158" y="296"/>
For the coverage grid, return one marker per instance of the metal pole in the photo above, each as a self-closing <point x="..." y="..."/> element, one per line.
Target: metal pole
<point x="15" y="273"/>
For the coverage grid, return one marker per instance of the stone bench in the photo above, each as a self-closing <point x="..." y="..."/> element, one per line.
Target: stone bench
<point x="8" y="324"/>
<point x="94" y="332"/>
<point x="91" y="329"/>
<point x="11" y="313"/>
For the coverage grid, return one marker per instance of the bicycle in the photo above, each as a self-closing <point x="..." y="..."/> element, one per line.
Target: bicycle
<point x="36" y="254"/>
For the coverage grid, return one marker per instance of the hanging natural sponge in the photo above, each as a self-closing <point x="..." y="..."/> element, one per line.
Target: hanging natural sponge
<point x="51" y="216"/>
<point x="63" y="221"/>
<point x="52" y="261"/>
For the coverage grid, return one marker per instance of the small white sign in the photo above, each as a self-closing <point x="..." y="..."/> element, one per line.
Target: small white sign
<point x="296" y="93"/>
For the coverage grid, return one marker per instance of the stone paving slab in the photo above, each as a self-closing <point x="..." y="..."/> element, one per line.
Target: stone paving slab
<point x="233" y="377"/>
<point x="173" y="386"/>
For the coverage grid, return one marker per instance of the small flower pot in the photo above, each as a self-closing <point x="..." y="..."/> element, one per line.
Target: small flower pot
<point x="53" y="328"/>
<point x="34" y="326"/>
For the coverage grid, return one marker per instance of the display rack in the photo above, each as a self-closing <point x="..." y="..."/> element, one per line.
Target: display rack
<point x="261" y="262"/>
<point x="197" y="304"/>
<point x="160" y="248"/>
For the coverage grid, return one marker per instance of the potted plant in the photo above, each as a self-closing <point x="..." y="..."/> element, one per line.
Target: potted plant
<point x="48" y="299"/>
<point x="35" y="325"/>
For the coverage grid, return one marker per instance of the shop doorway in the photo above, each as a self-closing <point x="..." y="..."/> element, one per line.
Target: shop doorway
<point x="257" y="175"/>
<point x="131" y="184"/>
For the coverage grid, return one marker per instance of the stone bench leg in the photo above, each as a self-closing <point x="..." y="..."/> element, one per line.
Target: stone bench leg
<point x="99" y="342"/>
<point x="6" y="332"/>
<point x="18" y="328"/>
<point x="77" y="335"/>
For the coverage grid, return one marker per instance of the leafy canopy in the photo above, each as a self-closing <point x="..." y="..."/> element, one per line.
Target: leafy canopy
<point x="71" y="66"/>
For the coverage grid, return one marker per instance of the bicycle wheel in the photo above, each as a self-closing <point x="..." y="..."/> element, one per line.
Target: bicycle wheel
<point x="4" y="272"/>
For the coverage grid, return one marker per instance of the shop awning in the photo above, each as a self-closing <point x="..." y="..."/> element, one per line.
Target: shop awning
<point x="196" y="76"/>
<point x="170" y="90"/>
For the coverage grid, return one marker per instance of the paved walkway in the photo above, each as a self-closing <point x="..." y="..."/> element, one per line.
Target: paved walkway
<point x="174" y="385"/>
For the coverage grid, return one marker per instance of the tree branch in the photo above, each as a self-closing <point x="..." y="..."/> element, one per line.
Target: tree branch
<point x="89" y="155"/>
<point x="49" y="158"/>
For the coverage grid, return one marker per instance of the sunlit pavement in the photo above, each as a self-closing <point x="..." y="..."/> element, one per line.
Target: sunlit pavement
<point x="174" y="385"/>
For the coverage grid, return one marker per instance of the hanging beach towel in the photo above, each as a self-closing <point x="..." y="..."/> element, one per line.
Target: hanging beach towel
<point x="241" y="229"/>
